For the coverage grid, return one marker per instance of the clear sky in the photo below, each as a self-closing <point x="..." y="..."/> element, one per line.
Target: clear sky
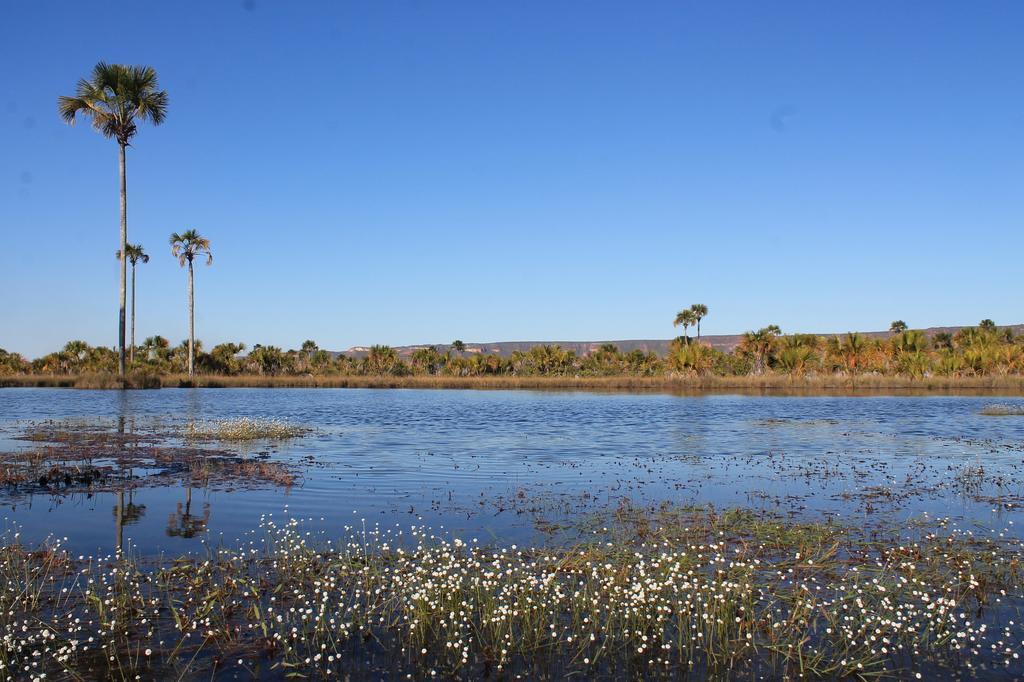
<point x="407" y="172"/>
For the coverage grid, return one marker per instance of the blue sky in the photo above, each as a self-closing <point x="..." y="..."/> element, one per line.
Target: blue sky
<point x="406" y="172"/>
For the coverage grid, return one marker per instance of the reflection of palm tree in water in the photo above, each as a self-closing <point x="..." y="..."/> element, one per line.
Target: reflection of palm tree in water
<point x="126" y="515"/>
<point x="132" y="512"/>
<point x="182" y="524"/>
<point x="192" y="409"/>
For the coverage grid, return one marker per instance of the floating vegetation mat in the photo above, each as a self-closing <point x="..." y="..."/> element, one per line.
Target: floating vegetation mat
<point x="1003" y="410"/>
<point x="244" y="429"/>
<point x="655" y="593"/>
<point x="74" y="456"/>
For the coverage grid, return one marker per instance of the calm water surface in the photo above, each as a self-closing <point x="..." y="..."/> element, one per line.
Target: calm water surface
<point x="513" y="465"/>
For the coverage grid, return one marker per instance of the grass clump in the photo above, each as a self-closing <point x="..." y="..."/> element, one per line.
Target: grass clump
<point x="244" y="429"/>
<point x="204" y="471"/>
<point x="1003" y="410"/>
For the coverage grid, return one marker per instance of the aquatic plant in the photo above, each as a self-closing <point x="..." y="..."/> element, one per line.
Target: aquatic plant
<point x="244" y="429"/>
<point x="706" y="592"/>
<point x="1003" y="410"/>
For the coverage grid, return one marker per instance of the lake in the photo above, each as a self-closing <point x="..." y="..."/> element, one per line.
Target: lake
<point x="524" y="466"/>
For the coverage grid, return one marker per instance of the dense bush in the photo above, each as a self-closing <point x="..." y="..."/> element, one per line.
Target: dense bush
<point x="973" y="351"/>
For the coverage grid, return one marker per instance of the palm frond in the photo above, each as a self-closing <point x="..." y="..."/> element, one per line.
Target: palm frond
<point x="68" y="108"/>
<point x="152" y="107"/>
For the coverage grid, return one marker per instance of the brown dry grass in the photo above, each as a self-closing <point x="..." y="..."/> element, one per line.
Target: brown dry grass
<point x="92" y="380"/>
<point x="768" y="383"/>
<point x="204" y="471"/>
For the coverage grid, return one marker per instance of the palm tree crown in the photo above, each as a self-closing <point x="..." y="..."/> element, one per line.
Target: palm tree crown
<point x="134" y="253"/>
<point x="114" y="97"/>
<point x="189" y="244"/>
<point x="685" y="318"/>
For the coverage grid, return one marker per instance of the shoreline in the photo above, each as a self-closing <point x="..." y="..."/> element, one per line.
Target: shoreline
<point x="1006" y="385"/>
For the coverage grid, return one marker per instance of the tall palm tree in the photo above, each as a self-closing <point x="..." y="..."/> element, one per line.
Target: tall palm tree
<point x="135" y="254"/>
<point x="699" y="312"/>
<point x="185" y="247"/>
<point x="685" y="318"/>
<point x="115" y="97"/>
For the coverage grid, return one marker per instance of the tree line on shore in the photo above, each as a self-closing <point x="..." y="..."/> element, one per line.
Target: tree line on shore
<point x="983" y="350"/>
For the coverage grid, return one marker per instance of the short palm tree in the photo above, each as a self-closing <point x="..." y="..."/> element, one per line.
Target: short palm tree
<point x="760" y="345"/>
<point x="382" y="359"/>
<point x="185" y="247"/>
<point x="898" y="327"/>
<point x="135" y="254"/>
<point x="942" y="340"/>
<point x="852" y="349"/>
<point x="700" y="311"/>
<point x="685" y="318"/>
<point x="910" y="341"/>
<point x="115" y="97"/>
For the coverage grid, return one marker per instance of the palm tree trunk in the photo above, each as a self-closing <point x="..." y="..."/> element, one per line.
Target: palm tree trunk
<point x="124" y="260"/>
<point x="119" y="521"/>
<point x="191" y="324"/>
<point x="133" y="303"/>
<point x="131" y="356"/>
